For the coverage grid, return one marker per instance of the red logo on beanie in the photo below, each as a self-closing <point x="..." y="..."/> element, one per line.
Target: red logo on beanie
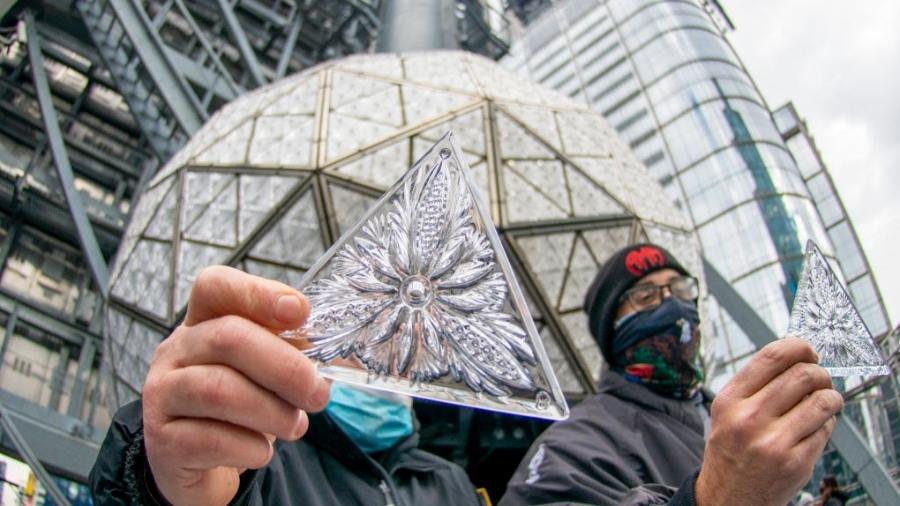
<point x="643" y="259"/>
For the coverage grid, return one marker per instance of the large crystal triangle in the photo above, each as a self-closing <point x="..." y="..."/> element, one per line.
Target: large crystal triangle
<point x="824" y="315"/>
<point x="418" y="297"/>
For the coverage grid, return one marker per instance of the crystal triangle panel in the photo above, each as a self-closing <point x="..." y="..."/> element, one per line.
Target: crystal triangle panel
<point x="257" y="194"/>
<point x="283" y="141"/>
<point x="192" y="258"/>
<point x="580" y="275"/>
<point x="527" y="201"/>
<point x="547" y="257"/>
<point x="445" y="70"/>
<point x="294" y="240"/>
<point x="215" y="221"/>
<point x="378" y="168"/>
<point x="230" y="149"/>
<point x="824" y="315"/>
<point x="587" y="197"/>
<point x="146" y="276"/>
<point x="349" y="206"/>
<point x="421" y="103"/>
<point x="418" y="297"/>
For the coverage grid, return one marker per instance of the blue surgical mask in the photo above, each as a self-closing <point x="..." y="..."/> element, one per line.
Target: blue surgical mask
<point x="375" y="421"/>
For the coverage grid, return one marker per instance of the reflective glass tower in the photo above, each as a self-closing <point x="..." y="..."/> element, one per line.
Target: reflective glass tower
<point x="666" y="78"/>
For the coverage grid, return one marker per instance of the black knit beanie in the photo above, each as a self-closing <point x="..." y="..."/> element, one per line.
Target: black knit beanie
<point x="617" y="275"/>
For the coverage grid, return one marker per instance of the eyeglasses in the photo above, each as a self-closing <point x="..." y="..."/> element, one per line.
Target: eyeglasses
<point x="648" y="295"/>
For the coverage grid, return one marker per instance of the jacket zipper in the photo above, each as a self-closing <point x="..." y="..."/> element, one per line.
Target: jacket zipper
<point x="386" y="490"/>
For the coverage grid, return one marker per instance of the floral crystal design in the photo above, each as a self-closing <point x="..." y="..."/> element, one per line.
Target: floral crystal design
<point x="416" y="291"/>
<point x="824" y="315"/>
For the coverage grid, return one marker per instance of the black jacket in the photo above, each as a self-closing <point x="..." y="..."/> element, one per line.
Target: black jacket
<point x="624" y="445"/>
<point x="323" y="468"/>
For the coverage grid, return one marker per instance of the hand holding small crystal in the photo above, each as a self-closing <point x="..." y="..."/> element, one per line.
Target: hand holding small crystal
<point x="223" y="386"/>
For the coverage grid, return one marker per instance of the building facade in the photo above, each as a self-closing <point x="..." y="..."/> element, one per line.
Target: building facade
<point x="874" y="407"/>
<point x="96" y="95"/>
<point x="665" y="76"/>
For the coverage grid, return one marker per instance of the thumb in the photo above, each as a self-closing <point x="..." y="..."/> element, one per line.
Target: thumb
<point x="220" y="291"/>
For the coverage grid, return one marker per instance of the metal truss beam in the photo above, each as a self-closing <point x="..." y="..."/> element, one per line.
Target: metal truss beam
<point x="64" y="445"/>
<point x="10" y="429"/>
<point x="86" y="236"/>
<point x="240" y="38"/>
<point x="289" y="44"/>
<point x="149" y="48"/>
<point x="871" y="473"/>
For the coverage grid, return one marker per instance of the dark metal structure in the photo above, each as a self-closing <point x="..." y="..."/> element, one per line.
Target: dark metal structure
<point x="95" y="96"/>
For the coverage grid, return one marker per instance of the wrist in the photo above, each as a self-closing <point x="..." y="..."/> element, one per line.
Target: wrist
<point x="705" y="489"/>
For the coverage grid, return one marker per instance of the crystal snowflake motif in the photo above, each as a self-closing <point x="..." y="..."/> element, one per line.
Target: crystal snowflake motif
<point x="417" y="294"/>
<point x="824" y="315"/>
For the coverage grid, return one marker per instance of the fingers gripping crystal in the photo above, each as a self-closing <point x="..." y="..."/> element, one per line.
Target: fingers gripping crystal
<point x="421" y="295"/>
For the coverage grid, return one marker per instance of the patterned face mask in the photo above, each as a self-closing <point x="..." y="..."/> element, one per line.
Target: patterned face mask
<point x="660" y="349"/>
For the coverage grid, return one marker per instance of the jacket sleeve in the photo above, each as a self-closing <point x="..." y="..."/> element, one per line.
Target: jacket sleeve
<point x="563" y="469"/>
<point x="655" y="494"/>
<point x="121" y="474"/>
<point x="559" y="469"/>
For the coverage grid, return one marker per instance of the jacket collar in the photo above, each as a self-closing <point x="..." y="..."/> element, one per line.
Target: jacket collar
<point x="685" y="411"/>
<point x="326" y="434"/>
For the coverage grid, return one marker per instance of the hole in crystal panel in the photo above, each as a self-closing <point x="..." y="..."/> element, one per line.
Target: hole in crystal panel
<point x="542" y="400"/>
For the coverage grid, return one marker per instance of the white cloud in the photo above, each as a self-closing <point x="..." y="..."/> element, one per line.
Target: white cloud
<point x="840" y="65"/>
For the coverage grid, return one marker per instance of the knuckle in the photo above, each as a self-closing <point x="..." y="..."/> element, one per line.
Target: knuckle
<point x="214" y="389"/>
<point x="227" y="334"/>
<point x="772" y="352"/>
<point x="803" y="373"/>
<point x="262" y="455"/>
<point x="799" y="464"/>
<point x="300" y="372"/>
<point x="213" y="444"/>
<point x="824" y="401"/>
<point x="208" y="281"/>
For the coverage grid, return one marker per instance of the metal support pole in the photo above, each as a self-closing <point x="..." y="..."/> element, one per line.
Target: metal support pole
<point x="289" y="44"/>
<point x="58" y="378"/>
<point x="149" y="47"/>
<point x="82" y="376"/>
<point x="240" y="38"/>
<point x="11" y="322"/>
<point x="86" y="237"/>
<point x="11" y="235"/>
<point x="6" y="422"/>
<point x="846" y="439"/>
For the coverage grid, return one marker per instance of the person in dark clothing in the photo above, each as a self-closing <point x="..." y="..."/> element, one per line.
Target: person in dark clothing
<point x="832" y="495"/>
<point x="223" y="387"/>
<point x="652" y="434"/>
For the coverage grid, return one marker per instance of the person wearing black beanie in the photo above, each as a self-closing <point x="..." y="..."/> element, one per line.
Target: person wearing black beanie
<point x="651" y="434"/>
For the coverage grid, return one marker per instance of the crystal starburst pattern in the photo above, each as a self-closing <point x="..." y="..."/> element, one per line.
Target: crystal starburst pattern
<point x="419" y="297"/>
<point x="824" y="315"/>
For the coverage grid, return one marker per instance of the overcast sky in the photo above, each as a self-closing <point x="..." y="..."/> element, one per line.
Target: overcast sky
<point x="839" y="62"/>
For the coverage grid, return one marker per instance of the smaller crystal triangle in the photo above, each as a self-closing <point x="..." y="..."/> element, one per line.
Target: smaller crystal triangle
<point x="824" y="315"/>
<point x="418" y="297"/>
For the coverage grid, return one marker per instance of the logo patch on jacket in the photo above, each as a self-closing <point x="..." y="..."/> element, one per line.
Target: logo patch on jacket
<point x="533" y="474"/>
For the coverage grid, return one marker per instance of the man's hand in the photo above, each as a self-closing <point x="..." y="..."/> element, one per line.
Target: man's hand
<point x="770" y="424"/>
<point x="223" y="386"/>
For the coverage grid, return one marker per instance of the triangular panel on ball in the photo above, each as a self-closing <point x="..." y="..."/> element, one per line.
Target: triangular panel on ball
<point x="418" y="297"/>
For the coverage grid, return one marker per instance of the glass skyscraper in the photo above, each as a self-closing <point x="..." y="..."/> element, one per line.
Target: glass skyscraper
<point x="665" y="76"/>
